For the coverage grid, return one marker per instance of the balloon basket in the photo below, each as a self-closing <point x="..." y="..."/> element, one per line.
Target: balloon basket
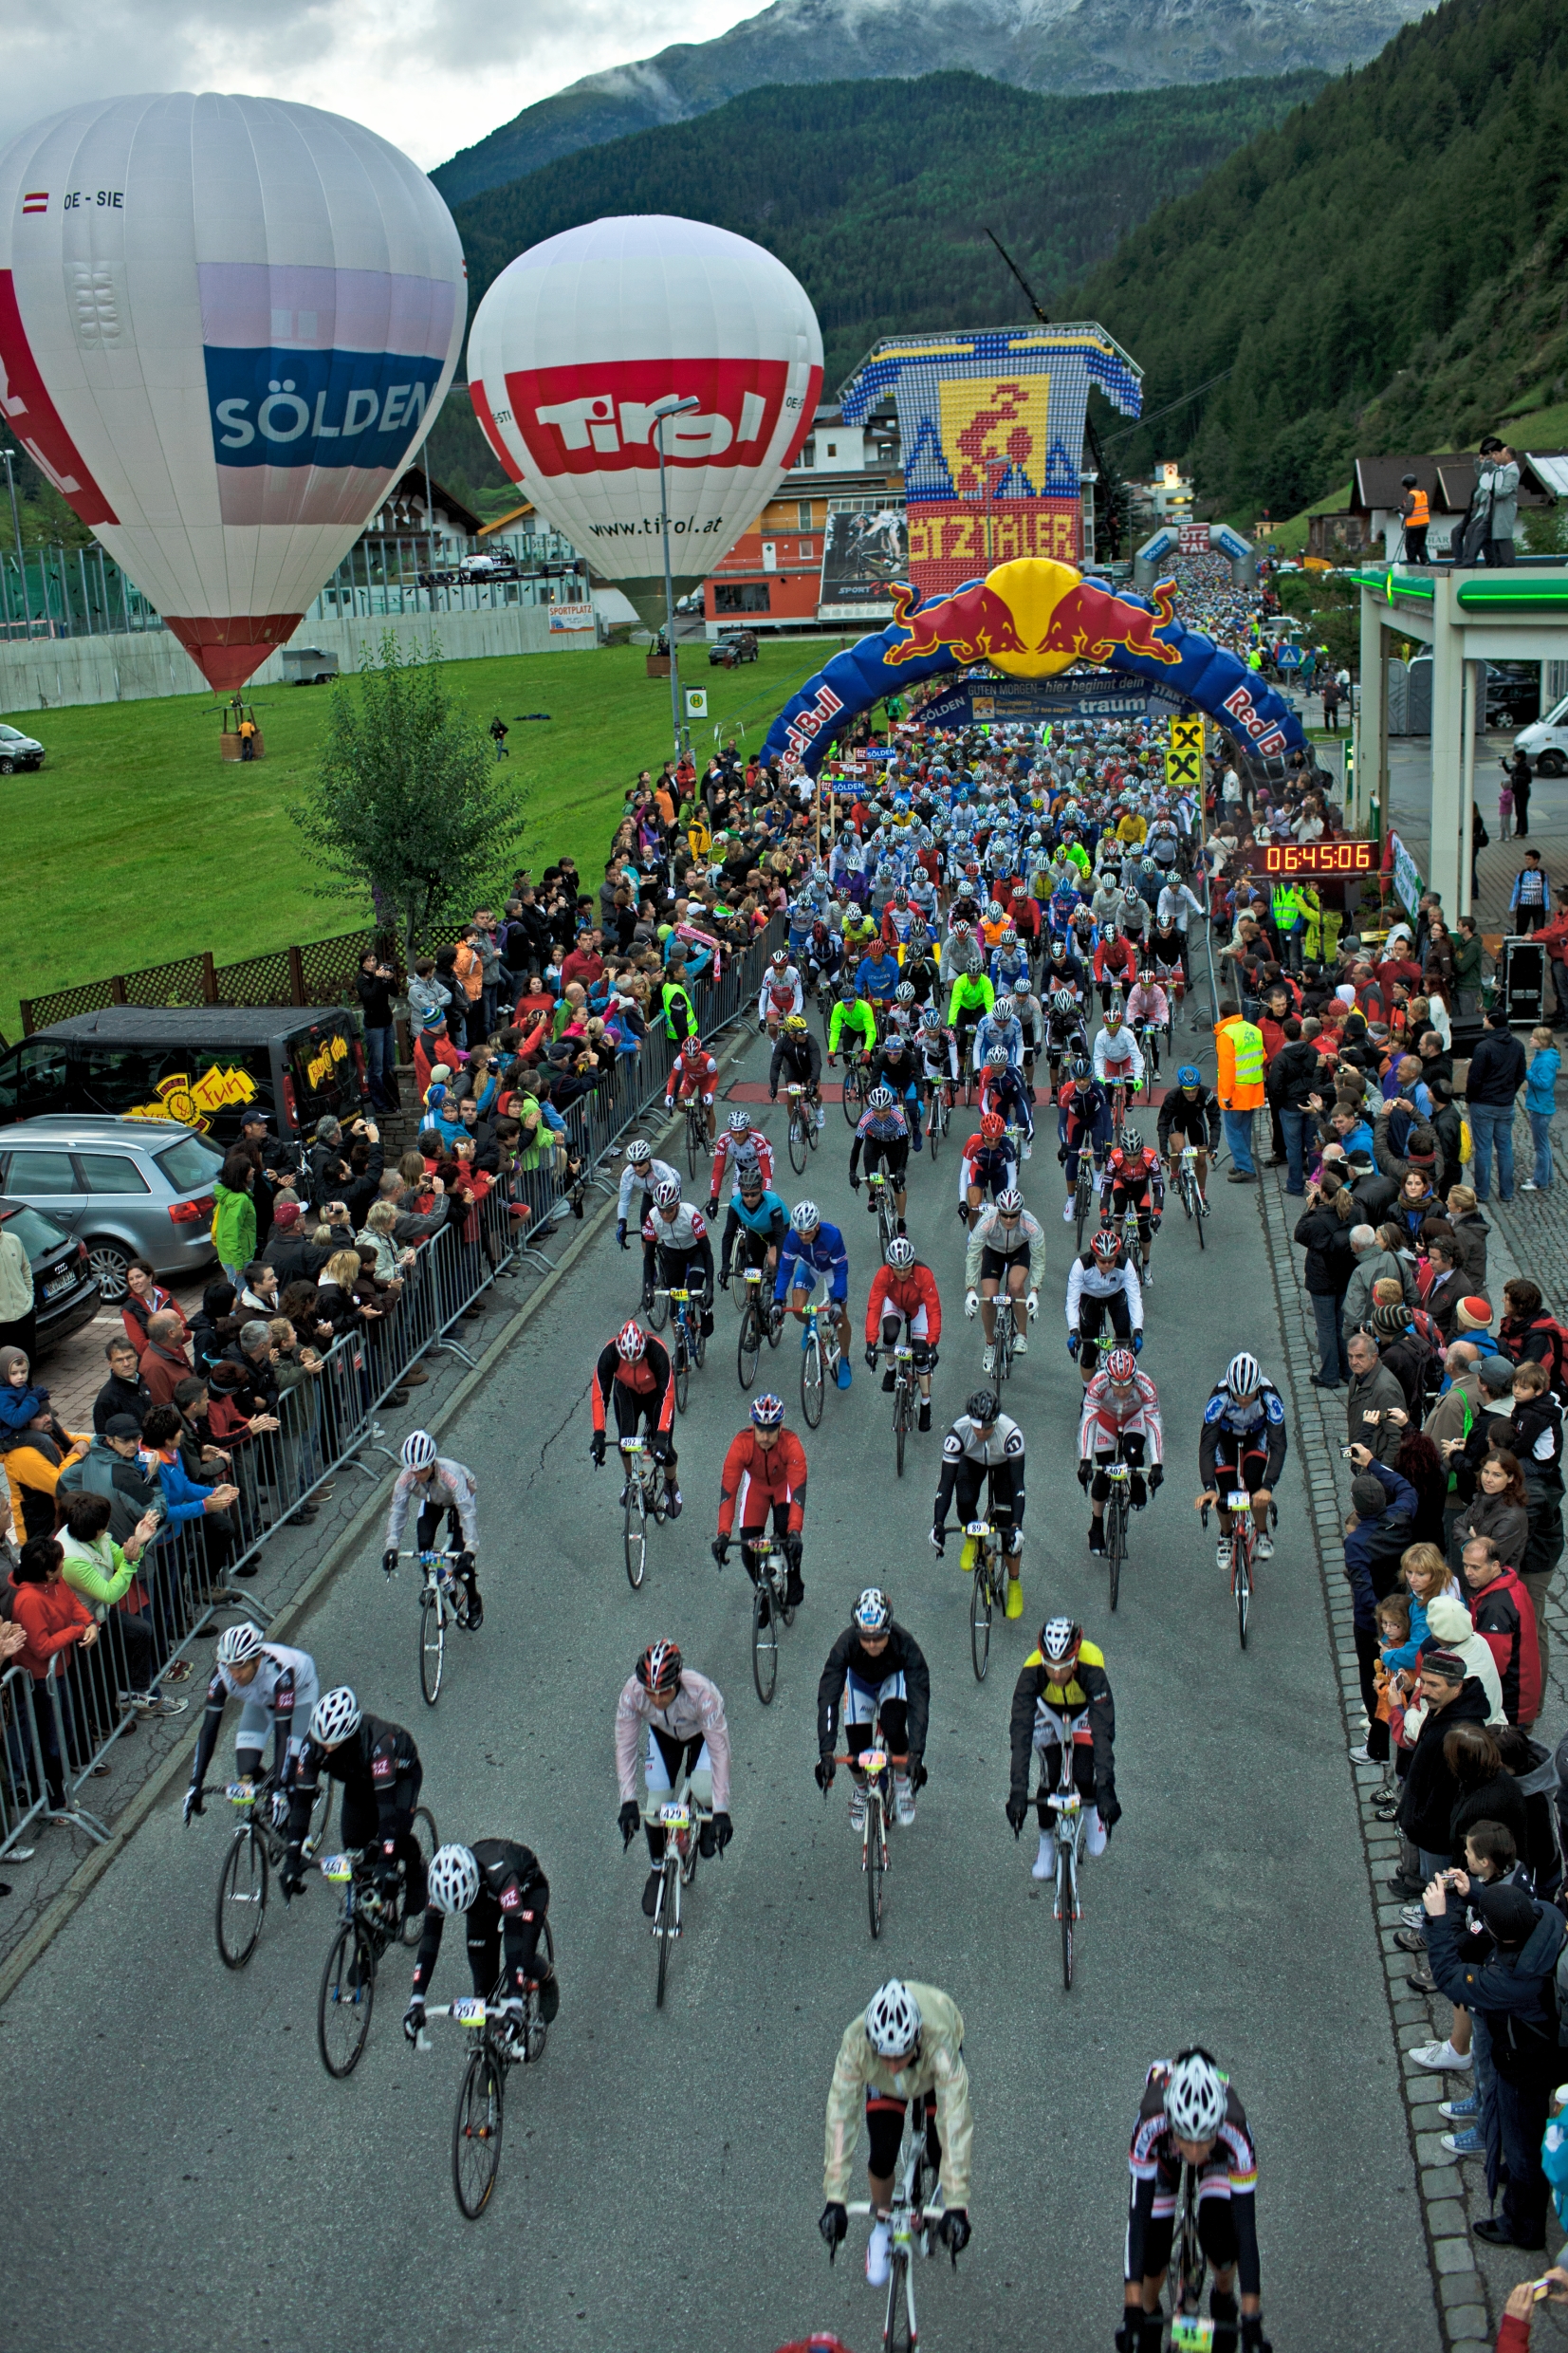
<point x="232" y="742"/>
<point x="658" y="665"/>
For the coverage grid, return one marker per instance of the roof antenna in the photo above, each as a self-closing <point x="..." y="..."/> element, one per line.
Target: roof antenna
<point x="1091" y="435"/>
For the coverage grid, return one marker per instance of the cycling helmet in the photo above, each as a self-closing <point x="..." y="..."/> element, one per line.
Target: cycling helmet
<point x="767" y="1410"/>
<point x="904" y="993"/>
<point x="1004" y="1006"/>
<point x="1189" y="1075"/>
<point x="892" y="2020"/>
<point x="418" y="1451"/>
<point x="1058" y="946"/>
<point x="1063" y="1001"/>
<point x="690" y="1044"/>
<point x="751" y="1181"/>
<point x="994" y="912"/>
<point x="1113" y="1015"/>
<point x="901" y="895"/>
<point x="1194" y="2096"/>
<point x="846" y="993"/>
<point x="1132" y="1142"/>
<point x="1244" y="1376"/>
<point x="660" y="1667"/>
<point x="996" y="1058"/>
<point x="780" y="957"/>
<point x="931" y="1017"/>
<point x="1009" y="1202"/>
<point x="900" y="1253"/>
<point x="238" y="1646"/>
<point x="1060" y="1640"/>
<point x="666" y="1194"/>
<point x="806" y="1218"/>
<point x="1106" y="1243"/>
<point x="991" y="1126"/>
<point x="739" y="1122"/>
<point x="638" y="1153"/>
<point x="335" y="1716"/>
<point x="981" y="1407"/>
<point x="873" y="1612"/>
<point x="631" y="1343"/>
<point x="454" y="1879"/>
<point x="1010" y="938"/>
<point x="1079" y="1069"/>
<point x="1130" y="898"/>
<point x="960" y="928"/>
<point x="794" y="1021"/>
<point x="880" y="1098"/>
<point x="1121" y="1368"/>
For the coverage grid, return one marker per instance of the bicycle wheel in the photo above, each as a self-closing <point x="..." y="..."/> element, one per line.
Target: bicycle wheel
<point x="658" y="1313"/>
<point x="634" y="1532"/>
<point x="699" y="1346"/>
<point x="1081" y="1209"/>
<point x="897" y="2336"/>
<point x="797" y="1146"/>
<point x="811" y="1382"/>
<point x="476" y="2130"/>
<point x="874" y="1860"/>
<point x="242" y="1896"/>
<point x="426" y="1839"/>
<point x="980" y="1621"/>
<point x="900" y="1425"/>
<point x="1115" y="1544"/>
<point x="1066" y="1893"/>
<point x="933" y="1130"/>
<point x="1241" y="1583"/>
<point x="691" y="1153"/>
<point x="683" y="1370"/>
<point x="850" y="1100"/>
<point x="765" y="1643"/>
<point x="433" y="1644"/>
<point x="1198" y="1215"/>
<point x="346" y="1998"/>
<point x="662" y="1920"/>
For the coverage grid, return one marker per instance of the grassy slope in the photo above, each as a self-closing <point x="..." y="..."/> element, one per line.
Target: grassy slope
<point x="135" y="843"/>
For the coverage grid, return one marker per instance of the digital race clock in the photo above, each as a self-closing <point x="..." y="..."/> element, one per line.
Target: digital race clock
<point x="1328" y="857"/>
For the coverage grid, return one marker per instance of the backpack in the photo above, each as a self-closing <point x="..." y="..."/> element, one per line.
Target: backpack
<point x="1555" y="1363"/>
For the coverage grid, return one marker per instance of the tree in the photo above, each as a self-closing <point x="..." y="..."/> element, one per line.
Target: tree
<point x="408" y="806"/>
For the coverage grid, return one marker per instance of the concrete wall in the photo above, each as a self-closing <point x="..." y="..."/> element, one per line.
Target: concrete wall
<point x="51" y="672"/>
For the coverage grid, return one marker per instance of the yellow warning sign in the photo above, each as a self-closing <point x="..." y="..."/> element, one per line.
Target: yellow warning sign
<point x="1184" y="756"/>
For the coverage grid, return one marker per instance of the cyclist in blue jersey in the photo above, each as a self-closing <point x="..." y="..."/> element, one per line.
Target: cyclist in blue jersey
<point x="1083" y="1117"/>
<point x="1003" y="1090"/>
<point x="811" y="1249"/>
<point x="759" y="1221"/>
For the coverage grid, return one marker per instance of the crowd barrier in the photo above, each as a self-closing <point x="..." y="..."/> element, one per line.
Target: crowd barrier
<point x="58" y="1729"/>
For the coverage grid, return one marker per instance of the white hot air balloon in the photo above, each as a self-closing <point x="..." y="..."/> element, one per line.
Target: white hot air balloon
<point x="224" y="323"/>
<point x="580" y="338"/>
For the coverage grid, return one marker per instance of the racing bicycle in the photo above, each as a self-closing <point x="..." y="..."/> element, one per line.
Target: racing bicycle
<point x="1116" y="1508"/>
<point x="1083" y="1190"/>
<point x="802" y="1125"/>
<point x="989" y="1591"/>
<point x="642" y="1499"/>
<point x="370" y="1924"/>
<point x="818" y="1359"/>
<point x="1150" y="1034"/>
<point x="1068" y="1829"/>
<point x="698" y="1143"/>
<point x="681" y="1819"/>
<point x="1186" y="1185"/>
<point x="887" y="1221"/>
<point x="440" y="1604"/>
<point x="770" y="1604"/>
<point x="1244" y="1560"/>
<point x="1186" y="2271"/>
<point x="689" y="1346"/>
<point x="874" y="1764"/>
<point x="903" y="1395"/>
<point x="857" y="1086"/>
<point x="938" y="1113"/>
<point x="257" y="1848"/>
<point x="499" y="2043"/>
<point x="1005" y="1339"/>
<point x="913" y="2228"/>
<point x="760" y="1320"/>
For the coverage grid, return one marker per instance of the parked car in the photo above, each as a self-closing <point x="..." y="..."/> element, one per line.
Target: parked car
<point x="1513" y="693"/>
<point x="65" y="1290"/>
<point x="731" y="646"/>
<point x="202" y="1067"/>
<point x="123" y="1188"/>
<point x="18" y="750"/>
<point x="1545" y="745"/>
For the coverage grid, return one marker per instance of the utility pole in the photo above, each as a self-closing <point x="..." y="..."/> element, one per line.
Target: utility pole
<point x="671" y="407"/>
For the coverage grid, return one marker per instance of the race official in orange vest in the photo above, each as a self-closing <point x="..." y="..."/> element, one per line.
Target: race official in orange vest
<point x="1416" y="510"/>
<point x="1239" y="1086"/>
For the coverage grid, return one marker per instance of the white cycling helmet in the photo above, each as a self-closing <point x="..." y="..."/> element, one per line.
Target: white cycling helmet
<point x="638" y="1152"/>
<point x="454" y="1879"/>
<point x="238" y="1644"/>
<point x="739" y="1122"/>
<point x="873" y="1612"/>
<point x="1194" y="2096"/>
<point x="335" y="1716"/>
<point x="806" y="1218"/>
<point x="900" y="1253"/>
<point x="880" y="1098"/>
<point x="667" y="1194"/>
<point x="418" y="1451"/>
<point x="1244" y="1376"/>
<point x="1009" y="1202"/>
<point x="892" y="2020"/>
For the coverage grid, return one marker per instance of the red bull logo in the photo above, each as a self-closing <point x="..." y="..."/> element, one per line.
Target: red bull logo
<point x="1090" y="622"/>
<point x="1033" y="618"/>
<point x="973" y="625"/>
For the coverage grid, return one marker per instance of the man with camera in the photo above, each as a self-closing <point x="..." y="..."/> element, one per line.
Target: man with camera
<point x="375" y="982"/>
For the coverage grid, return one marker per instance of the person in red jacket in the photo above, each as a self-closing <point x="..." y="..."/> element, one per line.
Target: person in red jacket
<point x="764" y="1469"/>
<point x="904" y="1298"/>
<point x="1504" y="1617"/>
<point x="634" y="1370"/>
<point x="1115" y="965"/>
<point x="1513" y="2334"/>
<point x="56" y="1622"/>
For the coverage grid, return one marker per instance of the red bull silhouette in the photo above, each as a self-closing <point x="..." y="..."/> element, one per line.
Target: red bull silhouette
<point x="974" y="625"/>
<point x="1091" y="623"/>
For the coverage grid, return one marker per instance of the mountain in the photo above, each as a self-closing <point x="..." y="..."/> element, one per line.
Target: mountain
<point x="878" y="195"/>
<point x="1382" y="270"/>
<point x="1075" y="45"/>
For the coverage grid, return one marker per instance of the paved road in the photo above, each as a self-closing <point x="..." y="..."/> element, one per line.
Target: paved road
<point x="178" y="2168"/>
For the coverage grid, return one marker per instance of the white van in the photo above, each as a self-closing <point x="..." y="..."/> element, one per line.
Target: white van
<point x="1545" y="744"/>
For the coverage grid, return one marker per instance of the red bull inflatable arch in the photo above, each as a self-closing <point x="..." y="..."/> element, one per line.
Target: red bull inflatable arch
<point x="1033" y="618"/>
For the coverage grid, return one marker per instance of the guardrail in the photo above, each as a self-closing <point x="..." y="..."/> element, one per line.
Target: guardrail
<point x="60" y="1728"/>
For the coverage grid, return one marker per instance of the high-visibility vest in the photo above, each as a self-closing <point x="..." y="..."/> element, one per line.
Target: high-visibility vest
<point x="1246" y="1041"/>
<point x="1420" y="513"/>
<point x="1288" y="906"/>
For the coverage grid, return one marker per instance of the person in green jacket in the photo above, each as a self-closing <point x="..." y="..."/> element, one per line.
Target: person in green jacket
<point x="102" y="1573"/>
<point x="680" y="1014"/>
<point x="1468" y="953"/>
<point x="234" y="1218"/>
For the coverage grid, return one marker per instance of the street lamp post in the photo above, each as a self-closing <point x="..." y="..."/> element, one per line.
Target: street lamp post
<point x="671" y="407"/>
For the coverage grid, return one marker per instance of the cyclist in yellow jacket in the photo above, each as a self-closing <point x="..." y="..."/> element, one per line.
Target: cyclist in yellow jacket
<point x="908" y="2044"/>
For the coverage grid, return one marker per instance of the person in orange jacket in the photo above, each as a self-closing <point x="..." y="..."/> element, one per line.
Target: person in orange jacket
<point x="764" y="1469"/>
<point x="1239" y="1086"/>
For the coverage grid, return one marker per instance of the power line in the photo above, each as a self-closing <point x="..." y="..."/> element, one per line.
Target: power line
<point x="1155" y="414"/>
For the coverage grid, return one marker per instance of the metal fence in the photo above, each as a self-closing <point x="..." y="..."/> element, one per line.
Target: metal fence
<point x="60" y="1728"/>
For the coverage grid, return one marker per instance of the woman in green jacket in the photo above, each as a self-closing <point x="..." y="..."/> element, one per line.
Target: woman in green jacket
<point x="234" y="1218"/>
<point x="102" y="1573"/>
<point x="1467" y="955"/>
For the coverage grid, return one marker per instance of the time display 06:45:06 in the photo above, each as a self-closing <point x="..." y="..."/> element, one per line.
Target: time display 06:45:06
<point x="1313" y="858"/>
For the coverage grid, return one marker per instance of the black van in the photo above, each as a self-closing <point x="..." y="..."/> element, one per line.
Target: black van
<point x="202" y="1066"/>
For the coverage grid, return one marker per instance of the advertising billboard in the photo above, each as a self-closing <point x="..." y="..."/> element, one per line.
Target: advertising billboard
<point x="866" y="548"/>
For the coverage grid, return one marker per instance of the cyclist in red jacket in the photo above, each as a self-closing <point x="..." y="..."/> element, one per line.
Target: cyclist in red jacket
<point x="904" y="1298"/>
<point x="763" y="1469"/>
<point x="634" y="1370"/>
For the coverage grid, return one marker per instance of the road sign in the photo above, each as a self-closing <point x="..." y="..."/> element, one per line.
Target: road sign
<point x="1184" y="756"/>
<point x="697" y="702"/>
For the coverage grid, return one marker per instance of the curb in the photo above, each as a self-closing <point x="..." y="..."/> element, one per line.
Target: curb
<point x="91" y="1869"/>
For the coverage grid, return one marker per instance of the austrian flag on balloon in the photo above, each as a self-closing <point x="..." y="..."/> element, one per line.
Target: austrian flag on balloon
<point x="225" y="325"/>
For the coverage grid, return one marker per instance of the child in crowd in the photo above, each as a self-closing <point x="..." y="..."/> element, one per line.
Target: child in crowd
<point x="1541" y="1080"/>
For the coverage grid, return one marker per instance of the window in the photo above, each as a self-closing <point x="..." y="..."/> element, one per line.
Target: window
<point x="808" y="549"/>
<point x="111" y="1171"/>
<point x="191" y="1164"/>
<point x="803" y="515"/>
<point x="833" y="449"/>
<point x="32" y="1174"/>
<point x="744" y="596"/>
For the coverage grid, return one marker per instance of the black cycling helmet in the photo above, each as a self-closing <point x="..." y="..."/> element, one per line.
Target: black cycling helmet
<point x="981" y="1407"/>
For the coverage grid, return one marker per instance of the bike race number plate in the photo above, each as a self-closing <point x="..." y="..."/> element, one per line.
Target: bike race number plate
<point x="675" y="1817"/>
<point x="1238" y="1500"/>
<point x="977" y="1527"/>
<point x="470" y="2012"/>
<point x="336" y="1868"/>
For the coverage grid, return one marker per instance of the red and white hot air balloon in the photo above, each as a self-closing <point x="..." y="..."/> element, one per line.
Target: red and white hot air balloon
<point x="224" y="324"/>
<point x="581" y="339"/>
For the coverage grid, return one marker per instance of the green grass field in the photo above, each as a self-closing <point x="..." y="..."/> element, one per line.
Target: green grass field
<point x="136" y="842"/>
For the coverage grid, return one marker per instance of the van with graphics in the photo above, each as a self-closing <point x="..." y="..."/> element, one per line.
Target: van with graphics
<point x="199" y="1067"/>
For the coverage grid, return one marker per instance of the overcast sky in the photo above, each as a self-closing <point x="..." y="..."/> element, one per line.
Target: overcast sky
<point x="431" y="75"/>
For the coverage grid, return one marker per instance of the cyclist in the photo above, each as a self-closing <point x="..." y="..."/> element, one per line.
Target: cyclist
<point x="1064" y="1038"/>
<point x="1115" y="961"/>
<point x="985" y="1444"/>
<point x="1118" y="1061"/>
<point x="898" y="917"/>
<point x="971" y="1000"/>
<point x="379" y="1765"/>
<point x="1147" y="1011"/>
<point x="897" y="1066"/>
<point x="797" y="1061"/>
<point x="1063" y="970"/>
<point x="1243" y="1444"/>
<point x="876" y="1670"/>
<point x="1133" y="1178"/>
<point x="692" y="1072"/>
<point x="741" y="1146"/>
<point x="1120" y="1423"/>
<point x="908" y="2044"/>
<point x="637" y="1179"/>
<point x="437" y="1484"/>
<point x="764" y="1469"/>
<point x="1000" y="1030"/>
<point x="1063" y="1693"/>
<point x="634" y="1371"/>
<point x="1003" y="1088"/>
<point x="688" y="1738"/>
<point x="1009" y="966"/>
<point x="1189" y="2115"/>
<point x="853" y="1026"/>
<point x="276" y="1688"/>
<point x="683" y="1246"/>
<point x="811" y="1249"/>
<point x="498" y="1887"/>
<point x="937" y="1053"/>
<point x="1102" y="1281"/>
<point x="1191" y="1115"/>
<point x="1006" y="1245"/>
<point x="882" y="1133"/>
<point x="904" y="1298"/>
<point x="1083" y="1117"/>
<point x="762" y="1218"/>
<point x="920" y="973"/>
<point x="780" y="992"/>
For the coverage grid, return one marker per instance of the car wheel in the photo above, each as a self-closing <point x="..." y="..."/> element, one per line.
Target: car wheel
<point x="1551" y="764"/>
<point x="7" y="768"/>
<point x="109" y="1263"/>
